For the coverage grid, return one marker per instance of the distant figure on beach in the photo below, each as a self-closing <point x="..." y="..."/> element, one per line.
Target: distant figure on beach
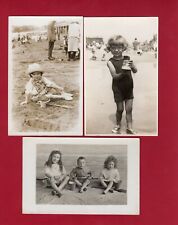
<point x="41" y="90"/>
<point x="136" y="44"/>
<point x="51" y="38"/>
<point x="55" y="173"/>
<point x="73" y="39"/>
<point x="65" y="44"/>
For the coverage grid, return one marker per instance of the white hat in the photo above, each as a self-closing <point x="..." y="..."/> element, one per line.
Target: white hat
<point x="35" y="67"/>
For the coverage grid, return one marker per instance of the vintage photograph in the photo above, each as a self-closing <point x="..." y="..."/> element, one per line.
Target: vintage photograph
<point x="121" y="76"/>
<point x="78" y="175"/>
<point x="45" y="84"/>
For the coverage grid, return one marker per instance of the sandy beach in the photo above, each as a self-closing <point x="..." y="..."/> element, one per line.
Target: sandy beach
<point x="95" y="160"/>
<point x="32" y="118"/>
<point x="99" y="101"/>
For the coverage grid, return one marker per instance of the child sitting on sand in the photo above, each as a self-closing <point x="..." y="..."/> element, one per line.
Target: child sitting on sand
<point x="56" y="173"/>
<point x="109" y="177"/>
<point x="41" y="90"/>
<point x="81" y="175"/>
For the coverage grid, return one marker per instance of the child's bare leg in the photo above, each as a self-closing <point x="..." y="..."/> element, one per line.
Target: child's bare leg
<point x="65" y="96"/>
<point x="108" y="187"/>
<point x="54" y="186"/>
<point x="63" y="184"/>
<point x="120" y="109"/>
<point x="103" y="183"/>
<point x="78" y="183"/>
<point x="128" y="108"/>
<point x="85" y="184"/>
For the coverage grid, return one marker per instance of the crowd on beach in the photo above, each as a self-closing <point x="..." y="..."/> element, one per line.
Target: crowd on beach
<point x="69" y="40"/>
<point x="99" y="49"/>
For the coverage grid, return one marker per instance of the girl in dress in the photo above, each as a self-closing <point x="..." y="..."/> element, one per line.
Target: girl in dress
<point x="109" y="176"/>
<point x="56" y="173"/>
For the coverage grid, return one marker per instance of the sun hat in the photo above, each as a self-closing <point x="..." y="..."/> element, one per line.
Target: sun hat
<point x="117" y="40"/>
<point x="35" y="67"/>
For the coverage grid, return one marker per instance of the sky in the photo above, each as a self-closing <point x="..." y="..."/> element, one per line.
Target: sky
<point x="38" y="21"/>
<point x="141" y="28"/>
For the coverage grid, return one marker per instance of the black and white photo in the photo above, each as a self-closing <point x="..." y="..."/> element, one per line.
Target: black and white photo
<point x="45" y="85"/>
<point x="121" y="76"/>
<point x="78" y="175"/>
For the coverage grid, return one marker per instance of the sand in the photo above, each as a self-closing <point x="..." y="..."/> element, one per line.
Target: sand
<point x="100" y="105"/>
<point x="95" y="158"/>
<point x="32" y="118"/>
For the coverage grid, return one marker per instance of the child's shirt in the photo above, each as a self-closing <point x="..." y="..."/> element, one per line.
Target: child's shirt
<point x="54" y="170"/>
<point x="37" y="87"/>
<point x="110" y="175"/>
<point x="80" y="172"/>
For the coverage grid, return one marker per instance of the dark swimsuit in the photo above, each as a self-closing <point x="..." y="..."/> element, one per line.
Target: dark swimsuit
<point x="123" y="86"/>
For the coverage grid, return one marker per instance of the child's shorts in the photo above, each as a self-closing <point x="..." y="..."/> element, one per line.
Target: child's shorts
<point x="122" y="96"/>
<point x="83" y="179"/>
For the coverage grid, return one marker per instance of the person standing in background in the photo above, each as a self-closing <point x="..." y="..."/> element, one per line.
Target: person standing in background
<point x="51" y="38"/>
<point x="136" y="44"/>
<point x="73" y="39"/>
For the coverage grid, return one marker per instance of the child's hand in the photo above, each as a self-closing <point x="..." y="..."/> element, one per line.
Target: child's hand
<point x="23" y="103"/>
<point x="132" y="66"/>
<point x="131" y="63"/>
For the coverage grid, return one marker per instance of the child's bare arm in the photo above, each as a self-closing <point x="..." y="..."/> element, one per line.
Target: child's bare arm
<point x="52" y="84"/>
<point x="27" y="99"/>
<point x="117" y="177"/>
<point x="113" y="71"/>
<point x="48" y="172"/>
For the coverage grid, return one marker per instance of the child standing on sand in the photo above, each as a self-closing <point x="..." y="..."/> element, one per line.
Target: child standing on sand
<point x="56" y="173"/>
<point x="81" y="175"/>
<point x="109" y="176"/>
<point x="122" y="83"/>
<point x="41" y="90"/>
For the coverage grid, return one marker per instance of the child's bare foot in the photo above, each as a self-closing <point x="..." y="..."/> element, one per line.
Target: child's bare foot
<point x="56" y="193"/>
<point x="53" y="192"/>
<point x="111" y="190"/>
<point x="81" y="190"/>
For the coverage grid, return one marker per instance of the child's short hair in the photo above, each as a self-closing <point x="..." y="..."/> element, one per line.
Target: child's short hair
<point x="109" y="159"/>
<point x="80" y="158"/>
<point x="117" y="40"/>
<point x="34" y="67"/>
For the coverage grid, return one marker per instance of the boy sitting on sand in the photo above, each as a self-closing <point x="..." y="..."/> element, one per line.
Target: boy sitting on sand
<point x="81" y="175"/>
<point x="41" y="90"/>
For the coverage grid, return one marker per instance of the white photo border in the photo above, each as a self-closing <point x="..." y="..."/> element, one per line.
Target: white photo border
<point x="11" y="130"/>
<point x="85" y="69"/>
<point x="29" y="205"/>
